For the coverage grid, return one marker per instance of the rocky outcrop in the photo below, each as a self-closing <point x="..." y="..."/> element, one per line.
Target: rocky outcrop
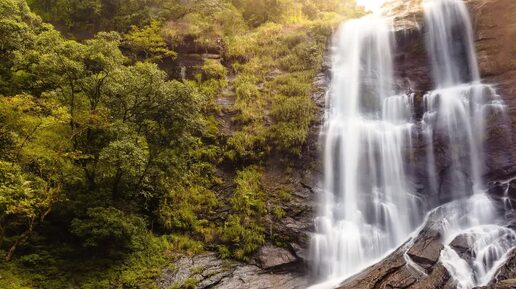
<point x="207" y="271"/>
<point x="269" y="257"/>
<point x="426" y="248"/>
<point x="417" y="264"/>
<point x="302" y="180"/>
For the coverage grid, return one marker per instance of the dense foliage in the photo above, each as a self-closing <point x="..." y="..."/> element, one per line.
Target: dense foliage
<point x="112" y="163"/>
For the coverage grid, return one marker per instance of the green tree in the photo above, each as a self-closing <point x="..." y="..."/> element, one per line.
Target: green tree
<point x="149" y="42"/>
<point x="34" y="173"/>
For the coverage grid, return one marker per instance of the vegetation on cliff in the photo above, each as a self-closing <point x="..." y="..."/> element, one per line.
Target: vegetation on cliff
<point x="111" y="162"/>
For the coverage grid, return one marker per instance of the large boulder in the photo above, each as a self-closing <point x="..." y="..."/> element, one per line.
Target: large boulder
<point x="426" y="248"/>
<point x="269" y="257"/>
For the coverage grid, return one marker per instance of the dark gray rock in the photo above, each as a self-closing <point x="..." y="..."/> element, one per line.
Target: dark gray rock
<point x="461" y="245"/>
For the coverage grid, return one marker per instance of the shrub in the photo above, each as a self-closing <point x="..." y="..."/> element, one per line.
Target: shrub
<point x="243" y="231"/>
<point x="109" y="228"/>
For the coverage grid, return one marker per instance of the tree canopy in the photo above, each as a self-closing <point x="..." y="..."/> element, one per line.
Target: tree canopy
<point x="110" y="158"/>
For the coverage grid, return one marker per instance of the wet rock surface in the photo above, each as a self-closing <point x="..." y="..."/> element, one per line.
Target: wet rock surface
<point x="417" y="268"/>
<point x="505" y="277"/>
<point x="426" y="249"/>
<point x="416" y="263"/>
<point x="495" y="42"/>
<point x="461" y="246"/>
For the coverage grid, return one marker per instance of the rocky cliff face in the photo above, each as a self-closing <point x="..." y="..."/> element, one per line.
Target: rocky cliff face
<point x="495" y="28"/>
<point x="495" y="35"/>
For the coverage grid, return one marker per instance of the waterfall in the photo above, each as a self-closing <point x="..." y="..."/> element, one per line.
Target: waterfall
<point x="369" y="203"/>
<point x="456" y="110"/>
<point x="368" y="206"/>
<point x="455" y="119"/>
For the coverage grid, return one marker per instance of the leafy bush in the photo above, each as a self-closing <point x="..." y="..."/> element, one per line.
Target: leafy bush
<point x="109" y="228"/>
<point x="212" y="68"/>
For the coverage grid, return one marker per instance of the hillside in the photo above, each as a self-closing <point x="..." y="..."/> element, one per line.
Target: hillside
<point x="134" y="133"/>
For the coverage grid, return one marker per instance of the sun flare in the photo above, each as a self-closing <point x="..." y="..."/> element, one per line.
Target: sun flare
<point x="373" y="5"/>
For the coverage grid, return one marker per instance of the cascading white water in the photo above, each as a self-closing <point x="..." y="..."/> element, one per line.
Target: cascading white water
<point x="488" y="244"/>
<point x="455" y="118"/>
<point x="368" y="205"/>
<point x="457" y="108"/>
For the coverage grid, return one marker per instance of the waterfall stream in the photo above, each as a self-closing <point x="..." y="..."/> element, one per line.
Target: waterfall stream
<point x="370" y="205"/>
<point x="457" y="110"/>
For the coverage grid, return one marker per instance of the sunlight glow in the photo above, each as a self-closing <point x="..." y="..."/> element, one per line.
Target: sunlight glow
<point x="373" y="5"/>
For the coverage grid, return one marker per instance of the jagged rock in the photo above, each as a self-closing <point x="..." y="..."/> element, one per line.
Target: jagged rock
<point x="439" y="278"/>
<point x="378" y="273"/>
<point x="395" y="272"/>
<point x="461" y="245"/>
<point x="269" y="257"/>
<point x="426" y="249"/>
<point x="418" y="268"/>
<point x="299" y="251"/>
<point x="504" y="284"/>
<point x="504" y="194"/>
